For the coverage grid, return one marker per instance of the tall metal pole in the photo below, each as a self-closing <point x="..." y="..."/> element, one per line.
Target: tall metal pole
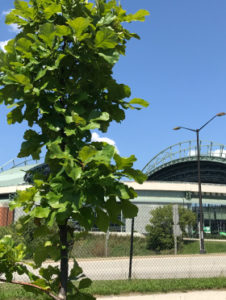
<point x="201" y="233"/>
<point x="131" y="250"/>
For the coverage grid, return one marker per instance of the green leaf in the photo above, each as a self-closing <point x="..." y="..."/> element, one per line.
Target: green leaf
<point x="69" y="132"/>
<point x="20" y="79"/>
<point x="48" y="243"/>
<point x="15" y="116"/>
<point x="138" y="16"/>
<point x="55" y="151"/>
<point x="42" y="283"/>
<point x="62" y="30"/>
<point x="106" y="38"/>
<point x="75" y="173"/>
<point x="124" y="162"/>
<point x="11" y="18"/>
<point x="106" y="154"/>
<point x="10" y="46"/>
<point x="23" y="45"/>
<point x="48" y="272"/>
<point x="75" y="271"/>
<point x="86" y="153"/>
<point x="102" y="220"/>
<point x="111" y="58"/>
<point x="139" y="101"/>
<point x="129" y="209"/>
<point x="113" y="208"/>
<point x="20" y="14"/>
<point x="47" y="33"/>
<point x="40" y="255"/>
<point x="84" y="283"/>
<point x="90" y="126"/>
<point x="75" y="118"/>
<point x="123" y="190"/>
<point x="41" y="74"/>
<point x="51" y="10"/>
<point x="118" y="91"/>
<point x="40" y="212"/>
<point x="79" y="25"/>
<point x="97" y="116"/>
<point x="32" y="145"/>
<point x="54" y="200"/>
<point x="106" y="20"/>
<point x="78" y="120"/>
<point x="137" y="175"/>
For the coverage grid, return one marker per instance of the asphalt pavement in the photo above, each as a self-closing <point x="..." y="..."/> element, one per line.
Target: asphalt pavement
<point x="156" y="267"/>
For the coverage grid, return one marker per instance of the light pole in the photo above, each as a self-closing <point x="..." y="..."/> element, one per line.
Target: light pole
<point x="201" y="233"/>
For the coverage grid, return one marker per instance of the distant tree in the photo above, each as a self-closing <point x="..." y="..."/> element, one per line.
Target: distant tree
<point x="160" y="230"/>
<point x="56" y="75"/>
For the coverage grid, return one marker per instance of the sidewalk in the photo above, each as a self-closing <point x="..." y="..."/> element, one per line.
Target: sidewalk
<point x="194" y="295"/>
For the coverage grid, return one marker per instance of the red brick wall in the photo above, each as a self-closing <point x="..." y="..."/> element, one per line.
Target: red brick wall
<point x="6" y="216"/>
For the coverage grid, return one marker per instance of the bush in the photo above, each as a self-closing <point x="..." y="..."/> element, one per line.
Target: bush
<point x="11" y="230"/>
<point x="160" y="230"/>
<point x="23" y="232"/>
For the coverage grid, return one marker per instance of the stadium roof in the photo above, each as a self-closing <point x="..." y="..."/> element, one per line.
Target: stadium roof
<point x="179" y="163"/>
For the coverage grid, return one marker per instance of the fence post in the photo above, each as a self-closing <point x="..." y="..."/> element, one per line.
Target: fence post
<point x="131" y="249"/>
<point x="106" y="243"/>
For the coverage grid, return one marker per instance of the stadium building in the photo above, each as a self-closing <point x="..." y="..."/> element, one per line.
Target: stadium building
<point x="172" y="179"/>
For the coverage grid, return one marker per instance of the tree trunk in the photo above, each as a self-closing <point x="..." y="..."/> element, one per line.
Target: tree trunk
<point x="63" y="262"/>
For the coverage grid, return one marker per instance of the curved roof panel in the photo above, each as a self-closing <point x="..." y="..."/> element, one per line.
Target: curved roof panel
<point x="179" y="163"/>
<point x="12" y="173"/>
<point x="14" y="176"/>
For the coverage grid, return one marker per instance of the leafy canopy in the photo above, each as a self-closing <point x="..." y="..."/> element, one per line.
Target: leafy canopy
<point x="56" y="75"/>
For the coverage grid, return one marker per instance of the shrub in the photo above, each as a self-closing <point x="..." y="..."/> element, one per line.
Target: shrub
<point x="160" y="230"/>
<point x="24" y="231"/>
<point x="11" y="230"/>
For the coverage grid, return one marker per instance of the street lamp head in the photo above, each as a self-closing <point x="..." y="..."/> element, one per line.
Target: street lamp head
<point x="177" y="128"/>
<point x="221" y="114"/>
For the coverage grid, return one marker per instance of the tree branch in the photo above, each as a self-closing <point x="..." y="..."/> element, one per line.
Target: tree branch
<point x="31" y="285"/>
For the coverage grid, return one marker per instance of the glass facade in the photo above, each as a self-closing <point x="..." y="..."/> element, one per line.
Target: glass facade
<point x="214" y="218"/>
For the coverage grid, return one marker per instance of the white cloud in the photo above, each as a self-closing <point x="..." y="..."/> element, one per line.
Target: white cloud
<point x="6" y="12"/>
<point x="14" y="28"/>
<point x="219" y="153"/>
<point x="215" y="153"/>
<point x="2" y="45"/>
<point x="97" y="138"/>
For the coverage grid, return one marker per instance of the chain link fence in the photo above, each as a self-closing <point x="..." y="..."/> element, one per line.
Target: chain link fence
<point x="125" y="250"/>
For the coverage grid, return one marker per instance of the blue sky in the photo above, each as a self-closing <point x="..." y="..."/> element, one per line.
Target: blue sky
<point x="179" y="66"/>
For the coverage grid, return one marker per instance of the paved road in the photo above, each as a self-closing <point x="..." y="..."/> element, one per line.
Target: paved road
<point x="157" y="267"/>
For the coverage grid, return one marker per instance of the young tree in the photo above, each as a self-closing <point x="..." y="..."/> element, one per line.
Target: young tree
<point x="56" y="74"/>
<point x="160" y="230"/>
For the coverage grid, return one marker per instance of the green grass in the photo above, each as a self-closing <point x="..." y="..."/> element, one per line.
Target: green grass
<point x="192" y="247"/>
<point x="109" y="287"/>
<point x="155" y="286"/>
<point x="94" y="246"/>
<point x="15" y="292"/>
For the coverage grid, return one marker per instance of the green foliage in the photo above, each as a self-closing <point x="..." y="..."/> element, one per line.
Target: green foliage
<point x="12" y="231"/>
<point x="10" y="256"/>
<point x="35" y="234"/>
<point x="160" y="230"/>
<point x="57" y="74"/>
<point x="136" y="286"/>
<point x="47" y="281"/>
